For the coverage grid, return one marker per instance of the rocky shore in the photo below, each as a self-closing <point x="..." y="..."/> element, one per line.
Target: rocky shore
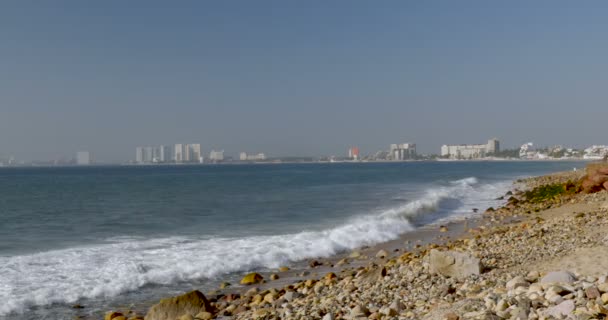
<point x="543" y="255"/>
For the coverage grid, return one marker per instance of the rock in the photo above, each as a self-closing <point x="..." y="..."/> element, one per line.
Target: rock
<point x="252" y="278"/>
<point x="532" y="276"/>
<point x="604" y="298"/>
<point x="274" y="277"/>
<point x="451" y="316"/>
<point x="443" y="229"/>
<point x="382" y="254"/>
<point x="113" y="314"/>
<point x="388" y="311"/>
<point x="592" y="293"/>
<point x="342" y="262"/>
<point x="193" y="302"/>
<point x="269" y="297"/>
<point x="187" y="316"/>
<point x="355" y="254"/>
<point x="359" y="311"/>
<point x="596" y="178"/>
<point x="256" y="299"/>
<point x="283" y="269"/>
<point x="603" y="287"/>
<point x="261" y="313"/>
<point x="205" y="316"/>
<point x="558" y="277"/>
<point x="314" y="263"/>
<point x="330" y="276"/>
<point x="78" y="306"/>
<point x="516" y="282"/>
<point x="290" y="295"/>
<point x="252" y="292"/>
<point x="224" y="285"/>
<point x="397" y="306"/>
<point x="563" y="309"/>
<point x="328" y="316"/>
<point x="453" y="264"/>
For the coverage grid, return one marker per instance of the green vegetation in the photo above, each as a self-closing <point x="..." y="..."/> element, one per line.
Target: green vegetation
<point x="508" y="153"/>
<point x="550" y="192"/>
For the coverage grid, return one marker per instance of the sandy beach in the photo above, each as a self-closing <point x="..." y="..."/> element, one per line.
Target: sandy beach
<point x="534" y="258"/>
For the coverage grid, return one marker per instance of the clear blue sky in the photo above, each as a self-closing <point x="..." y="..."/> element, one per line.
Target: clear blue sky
<point x="299" y="78"/>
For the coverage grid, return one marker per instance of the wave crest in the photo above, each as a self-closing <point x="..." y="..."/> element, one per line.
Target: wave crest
<point x="65" y="276"/>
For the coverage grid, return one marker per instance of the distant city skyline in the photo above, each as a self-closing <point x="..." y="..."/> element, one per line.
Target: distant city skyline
<point x="298" y="78"/>
<point x="195" y="152"/>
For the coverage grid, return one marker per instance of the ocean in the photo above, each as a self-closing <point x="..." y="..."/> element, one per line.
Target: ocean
<point x="106" y="236"/>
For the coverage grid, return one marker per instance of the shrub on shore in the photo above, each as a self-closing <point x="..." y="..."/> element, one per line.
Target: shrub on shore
<point x="551" y="192"/>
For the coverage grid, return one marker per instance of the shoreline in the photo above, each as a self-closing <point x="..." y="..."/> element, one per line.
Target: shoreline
<point x="406" y="253"/>
<point x="126" y="164"/>
<point x="301" y="271"/>
<point x="521" y="242"/>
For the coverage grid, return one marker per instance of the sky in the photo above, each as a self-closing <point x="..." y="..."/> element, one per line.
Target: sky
<point x="299" y="77"/>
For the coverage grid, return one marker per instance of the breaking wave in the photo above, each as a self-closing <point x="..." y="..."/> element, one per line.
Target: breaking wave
<point x="107" y="270"/>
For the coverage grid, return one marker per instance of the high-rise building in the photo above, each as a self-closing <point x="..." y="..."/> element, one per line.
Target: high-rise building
<point x="165" y="154"/>
<point x="139" y="154"/>
<point x="353" y="153"/>
<point x="404" y="151"/>
<point x="189" y="152"/>
<point x="148" y="154"/>
<point x="471" y="151"/>
<point x="493" y="146"/>
<point x="179" y="152"/>
<point x="243" y="156"/>
<point x="216" y="155"/>
<point x="194" y="152"/>
<point x="83" y="158"/>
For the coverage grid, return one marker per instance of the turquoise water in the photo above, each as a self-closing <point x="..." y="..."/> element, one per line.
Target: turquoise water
<point x="95" y="235"/>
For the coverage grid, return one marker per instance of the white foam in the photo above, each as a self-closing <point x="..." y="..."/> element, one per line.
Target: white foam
<point x="64" y="276"/>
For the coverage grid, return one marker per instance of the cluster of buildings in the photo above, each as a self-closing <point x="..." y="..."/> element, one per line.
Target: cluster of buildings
<point x="216" y="156"/>
<point x="404" y="151"/>
<point x="527" y="151"/>
<point x="181" y="153"/>
<point x="470" y="151"/>
<point x="185" y="153"/>
<point x="7" y="161"/>
<point x="488" y="150"/>
<point x="178" y="153"/>
<point x="595" y="152"/>
<point x="396" y="152"/>
<point x="252" y="157"/>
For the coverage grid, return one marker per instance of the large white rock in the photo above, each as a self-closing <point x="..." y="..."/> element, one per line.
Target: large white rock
<point x="453" y="264"/>
<point x="561" y="310"/>
<point x="558" y="277"/>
